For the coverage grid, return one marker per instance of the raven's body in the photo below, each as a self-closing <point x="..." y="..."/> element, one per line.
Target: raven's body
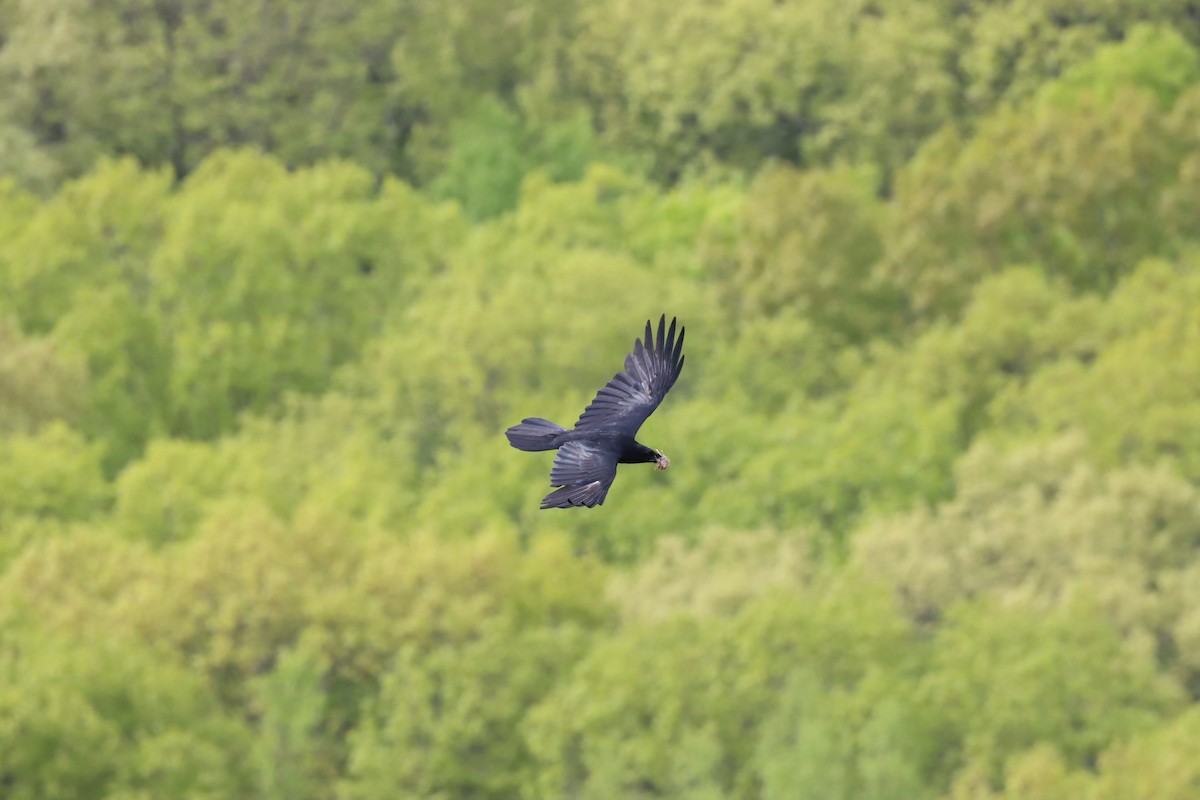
<point x="587" y="459"/>
<point x="622" y="447"/>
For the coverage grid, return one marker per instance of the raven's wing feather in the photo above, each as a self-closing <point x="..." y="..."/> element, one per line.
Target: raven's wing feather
<point x="584" y="471"/>
<point x="631" y="396"/>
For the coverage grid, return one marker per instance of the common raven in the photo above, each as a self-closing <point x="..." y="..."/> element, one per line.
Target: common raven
<point x="603" y="437"/>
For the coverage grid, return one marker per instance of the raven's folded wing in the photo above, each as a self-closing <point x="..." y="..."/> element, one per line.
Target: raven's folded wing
<point x="584" y="472"/>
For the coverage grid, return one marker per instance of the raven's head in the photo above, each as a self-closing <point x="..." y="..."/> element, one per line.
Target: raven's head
<point x="661" y="462"/>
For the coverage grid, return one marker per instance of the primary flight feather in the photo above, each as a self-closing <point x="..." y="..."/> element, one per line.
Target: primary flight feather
<point x="587" y="459"/>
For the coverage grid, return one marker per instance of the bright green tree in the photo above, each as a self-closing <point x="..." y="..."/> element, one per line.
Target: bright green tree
<point x="94" y="718"/>
<point x="1130" y="388"/>
<point x="291" y="700"/>
<point x="54" y="472"/>
<point x="1024" y="190"/>
<point x="675" y="707"/>
<point x="38" y="382"/>
<point x="809" y="243"/>
<point x="169" y="82"/>
<point x="1002" y="680"/>
<point x="446" y="721"/>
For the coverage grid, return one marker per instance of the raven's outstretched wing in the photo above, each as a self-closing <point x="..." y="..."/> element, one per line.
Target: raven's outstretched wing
<point x="584" y="471"/>
<point x="631" y="396"/>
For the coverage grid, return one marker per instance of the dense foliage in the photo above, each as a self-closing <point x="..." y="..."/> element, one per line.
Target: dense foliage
<point x="274" y="277"/>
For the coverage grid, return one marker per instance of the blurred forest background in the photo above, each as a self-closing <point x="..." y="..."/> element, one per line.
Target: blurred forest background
<point x="275" y="276"/>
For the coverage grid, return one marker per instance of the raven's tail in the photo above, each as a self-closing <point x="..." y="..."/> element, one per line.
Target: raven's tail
<point x="534" y="433"/>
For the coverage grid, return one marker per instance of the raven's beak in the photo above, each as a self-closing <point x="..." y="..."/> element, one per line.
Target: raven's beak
<point x="662" y="462"/>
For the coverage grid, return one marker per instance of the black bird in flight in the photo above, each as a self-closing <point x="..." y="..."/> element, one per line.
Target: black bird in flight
<point x="603" y="437"/>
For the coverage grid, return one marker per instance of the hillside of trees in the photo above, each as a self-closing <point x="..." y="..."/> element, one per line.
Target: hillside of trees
<point x="275" y="277"/>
